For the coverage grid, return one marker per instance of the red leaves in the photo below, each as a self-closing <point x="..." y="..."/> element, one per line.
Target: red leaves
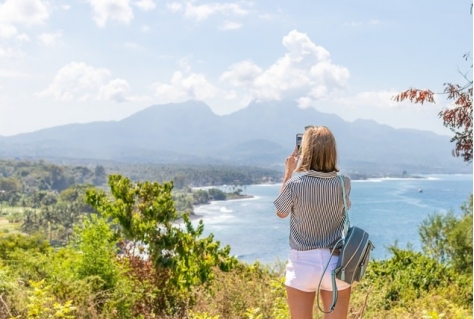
<point x="415" y="96"/>
<point x="461" y="115"/>
<point x="458" y="119"/>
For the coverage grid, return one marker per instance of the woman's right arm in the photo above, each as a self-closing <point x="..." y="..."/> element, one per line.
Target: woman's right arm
<point x="283" y="202"/>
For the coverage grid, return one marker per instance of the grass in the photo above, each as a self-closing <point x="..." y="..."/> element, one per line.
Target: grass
<point x="7" y="227"/>
<point x="5" y="212"/>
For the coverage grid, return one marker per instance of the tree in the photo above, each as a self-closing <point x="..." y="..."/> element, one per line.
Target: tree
<point x="448" y="239"/>
<point x="216" y="194"/>
<point x="458" y="119"/>
<point x="148" y="220"/>
<point x="100" y="176"/>
<point x="98" y="245"/>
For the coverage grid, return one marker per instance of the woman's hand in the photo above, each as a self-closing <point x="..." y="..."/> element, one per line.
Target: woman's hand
<point x="290" y="166"/>
<point x="292" y="161"/>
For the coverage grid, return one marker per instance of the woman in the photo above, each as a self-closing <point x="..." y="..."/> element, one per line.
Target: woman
<point x="314" y="202"/>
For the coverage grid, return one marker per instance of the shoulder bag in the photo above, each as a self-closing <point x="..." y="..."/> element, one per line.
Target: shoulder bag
<point x="353" y="257"/>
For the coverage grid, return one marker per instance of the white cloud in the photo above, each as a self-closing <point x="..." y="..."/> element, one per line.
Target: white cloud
<point x="204" y="11"/>
<point x="23" y="37"/>
<point x="117" y="10"/>
<point x="7" y="31"/>
<point x="174" y="6"/>
<point x="75" y="80"/>
<point x="11" y="74"/>
<point x="25" y="12"/>
<point x="181" y="88"/>
<point x="380" y="99"/>
<point x="185" y="63"/>
<point x="145" y="29"/>
<point x="131" y="45"/>
<point x="304" y="73"/>
<point x="145" y="5"/>
<point x="9" y="52"/>
<point x="115" y="90"/>
<point x="79" y="81"/>
<point x="267" y="16"/>
<point x="301" y="47"/>
<point x="229" y="25"/>
<point x="353" y="24"/>
<point x="49" y="38"/>
<point x="242" y="73"/>
<point x="356" y="24"/>
<point x="304" y="102"/>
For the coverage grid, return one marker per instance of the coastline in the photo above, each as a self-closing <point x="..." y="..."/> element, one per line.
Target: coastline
<point x="389" y="212"/>
<point x="195" y="216"/>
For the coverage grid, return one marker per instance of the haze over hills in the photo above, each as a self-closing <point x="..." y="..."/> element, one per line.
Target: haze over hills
<point x="262" y="134"/>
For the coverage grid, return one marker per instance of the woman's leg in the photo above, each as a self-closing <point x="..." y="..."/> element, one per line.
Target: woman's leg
<point x="342" y="304"/>
<point x="301" y="303"/>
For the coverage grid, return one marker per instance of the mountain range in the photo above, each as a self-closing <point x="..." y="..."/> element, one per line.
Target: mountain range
<point x="262" y="134"/>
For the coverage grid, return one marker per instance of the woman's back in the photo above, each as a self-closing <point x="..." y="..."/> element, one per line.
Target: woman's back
<point x="315" y="202"/>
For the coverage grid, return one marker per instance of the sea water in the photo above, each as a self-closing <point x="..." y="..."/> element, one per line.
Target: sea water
<point x="390" y="210"/>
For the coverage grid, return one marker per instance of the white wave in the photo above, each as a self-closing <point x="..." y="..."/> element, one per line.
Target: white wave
<point x="383" y="179"/>
<point x="225" y="210"/>
<point x="370" y="180"/>
<point x="266" y="185"/>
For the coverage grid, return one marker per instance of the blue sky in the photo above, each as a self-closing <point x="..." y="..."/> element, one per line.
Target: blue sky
<point x="78" y="61"/>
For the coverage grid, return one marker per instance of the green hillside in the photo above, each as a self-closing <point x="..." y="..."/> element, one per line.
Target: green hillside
<point x="123" y="249"/>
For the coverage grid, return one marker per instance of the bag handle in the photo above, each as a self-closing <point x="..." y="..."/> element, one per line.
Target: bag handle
<point x="333" y="273"/>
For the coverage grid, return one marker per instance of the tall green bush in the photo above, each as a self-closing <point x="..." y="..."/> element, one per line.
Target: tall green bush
<point x="448" y="238"/>
<point x="148" y="221"/>
<point x="98" y="246"/>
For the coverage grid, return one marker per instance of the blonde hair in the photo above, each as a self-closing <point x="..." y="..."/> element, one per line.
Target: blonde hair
<point x="318" y="150"/>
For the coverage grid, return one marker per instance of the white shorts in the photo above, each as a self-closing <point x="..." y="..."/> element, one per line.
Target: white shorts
<point x="304" y="270"/>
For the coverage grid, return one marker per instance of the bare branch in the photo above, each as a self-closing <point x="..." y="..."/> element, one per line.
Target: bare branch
<point x="5" y="306"/>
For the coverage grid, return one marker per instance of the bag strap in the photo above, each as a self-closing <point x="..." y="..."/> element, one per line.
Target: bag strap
<point x="347" y="222"/>
<point x="333" y="273"/>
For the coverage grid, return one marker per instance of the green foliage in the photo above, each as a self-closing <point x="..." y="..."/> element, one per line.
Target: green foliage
<point x="100" y="175"/>
<point x="248" y="291"/>
<point x="448" y="238"/>
<point x="183" y="202"/>
<point x="167" y="269"/>
<point x="30" y="177"/>
<point x="42" y="305"/>
<point x="98" y="245"/>
<point x="148" y="219"/>
<point x="409" y="282"/>
<point x="201" y="197"/>
<point x="56" y="218"/>
<point x="197" y="175"/>
<point x="216" y="194"/>
<point x="9" y="190"/>
<point x="204" y="315"/>
<point x="9" y="184"/>
<point x="13" y="242"/>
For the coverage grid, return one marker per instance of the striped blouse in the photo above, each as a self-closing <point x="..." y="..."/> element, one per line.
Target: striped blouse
<point x="315" y="202"/>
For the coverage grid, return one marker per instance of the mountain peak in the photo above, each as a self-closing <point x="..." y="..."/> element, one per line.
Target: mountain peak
<point x="261" y="134"/>
<point x="188" y="109"/>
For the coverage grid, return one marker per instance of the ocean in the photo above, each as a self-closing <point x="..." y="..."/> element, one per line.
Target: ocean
<point x="389" y="209"/>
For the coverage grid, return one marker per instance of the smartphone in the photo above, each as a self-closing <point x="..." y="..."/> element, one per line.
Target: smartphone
<point x="299" y="137"/>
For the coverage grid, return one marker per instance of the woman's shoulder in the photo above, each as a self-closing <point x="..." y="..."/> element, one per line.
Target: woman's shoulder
<point x="296" y="179"/>
<point x="347" y="179"/>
